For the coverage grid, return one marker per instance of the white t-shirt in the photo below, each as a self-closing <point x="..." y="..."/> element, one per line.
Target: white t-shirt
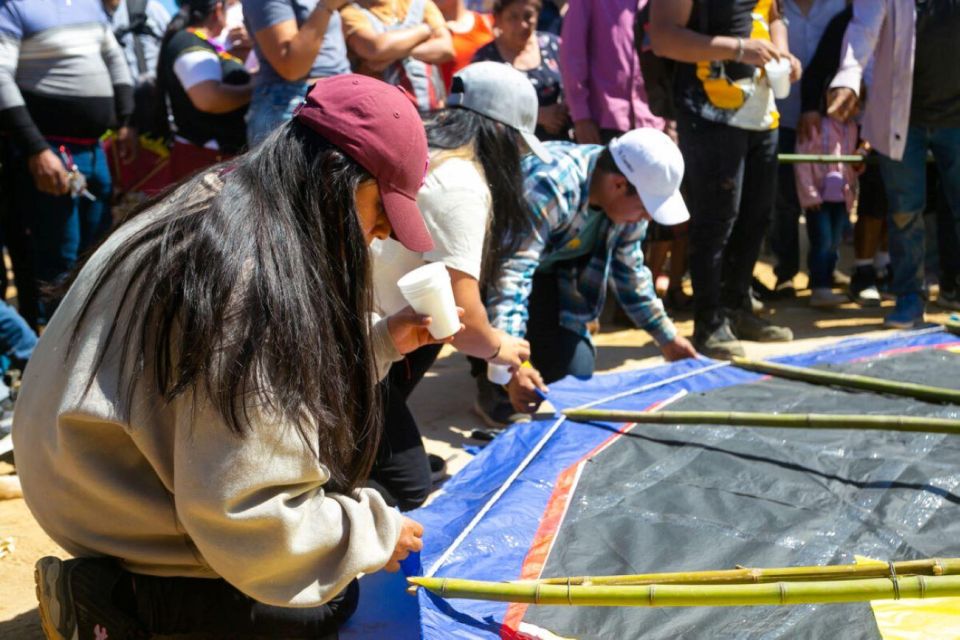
<point x="196" y="66"/>
<point x="456" y="205"/>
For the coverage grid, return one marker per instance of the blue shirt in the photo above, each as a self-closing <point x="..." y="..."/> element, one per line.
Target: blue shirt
<point x="558" y="196"/>
<point x="804" y="33"/>
<point x="260" y="14"/>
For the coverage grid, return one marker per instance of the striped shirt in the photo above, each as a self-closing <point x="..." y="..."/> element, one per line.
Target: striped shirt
<point x="62" y="73"/>
<point x="558" y="195"/>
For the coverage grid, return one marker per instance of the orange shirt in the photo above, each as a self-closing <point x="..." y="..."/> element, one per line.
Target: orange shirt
<point x="465" y="45"/>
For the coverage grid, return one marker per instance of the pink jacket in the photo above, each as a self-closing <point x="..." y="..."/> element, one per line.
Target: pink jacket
<point x="832" y="182"/>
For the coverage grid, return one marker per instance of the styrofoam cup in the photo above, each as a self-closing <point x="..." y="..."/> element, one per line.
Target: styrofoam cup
<point x="428" y="291"/>
<point x="498" y="373"/>
<point x="778" y="77"/>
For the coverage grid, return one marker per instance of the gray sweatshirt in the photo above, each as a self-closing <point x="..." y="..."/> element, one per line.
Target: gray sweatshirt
<point x="171" y="491"/>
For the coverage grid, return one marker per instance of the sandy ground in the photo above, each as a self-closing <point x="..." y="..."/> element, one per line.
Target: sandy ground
<point x="442" y="404"/>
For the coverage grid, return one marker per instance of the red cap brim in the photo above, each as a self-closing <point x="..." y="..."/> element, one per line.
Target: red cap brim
<point x="406" y="220"/>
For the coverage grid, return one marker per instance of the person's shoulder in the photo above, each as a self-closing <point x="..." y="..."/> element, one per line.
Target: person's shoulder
<point x="547" y="40"/>
<point x="487" y="52"/>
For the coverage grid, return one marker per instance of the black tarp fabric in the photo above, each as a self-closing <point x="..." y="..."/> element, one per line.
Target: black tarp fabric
<point x="670" y="498"/>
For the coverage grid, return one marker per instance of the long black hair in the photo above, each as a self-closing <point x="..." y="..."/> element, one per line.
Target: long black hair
<point x="257" y="296"/>
<point x="497" y="148"/>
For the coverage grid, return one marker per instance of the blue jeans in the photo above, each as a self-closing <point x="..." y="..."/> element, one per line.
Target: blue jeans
<point x="825" y="230"/>
<point x="906" y="184"/>
<point x="47" y="234"/>
<point x="785" y="227"/>
<point x="272" y="104"/>
<point x="17" y="339"/>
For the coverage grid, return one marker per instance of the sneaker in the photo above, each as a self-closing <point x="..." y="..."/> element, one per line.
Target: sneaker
<point x="863" y="287"/>
<point x="438" y="468"/>
<point x="749" y="326"/>
<point x="719" y="344"/>
<point x="907" y="314"/>
<point x="494" y="406"/>
<point x="75" y="600"/>
<point x="825" y="298"/>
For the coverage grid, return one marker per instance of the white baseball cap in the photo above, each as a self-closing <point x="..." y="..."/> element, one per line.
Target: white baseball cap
<point x="654" y="166"/>
<point x="501" y="93"/>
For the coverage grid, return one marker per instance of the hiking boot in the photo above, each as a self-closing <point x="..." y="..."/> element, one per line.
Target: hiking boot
<point x="863" y="287"/>
<point x="749" y="326"/>
<point x="825" y="298"/>
<point x="907" y="314"/>
<point x="719" y="344"/>
<point x="494" y="407"/>
<point x="75" y="600"/>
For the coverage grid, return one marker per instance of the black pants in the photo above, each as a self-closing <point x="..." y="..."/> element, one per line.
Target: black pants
<point x="785" y="229"/>
<point x="730" y="184"/>
<point x="168" y="606"/>
<point x="402" y="473"/>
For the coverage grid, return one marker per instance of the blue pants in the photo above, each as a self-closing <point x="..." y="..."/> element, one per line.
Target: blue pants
<point x="825" y="230"/>
<point x="47" y="234"/>
<point x="272" y="104"/>
<point x="17" y="339"/>
<point x="906" y="184"/>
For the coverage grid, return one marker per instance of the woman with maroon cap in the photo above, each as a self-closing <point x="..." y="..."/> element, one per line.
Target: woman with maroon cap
<point x="201" y="412"/>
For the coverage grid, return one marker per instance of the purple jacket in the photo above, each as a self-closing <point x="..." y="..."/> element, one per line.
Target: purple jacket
<point x="600" y="68"/>
<point x="883" y="30"/>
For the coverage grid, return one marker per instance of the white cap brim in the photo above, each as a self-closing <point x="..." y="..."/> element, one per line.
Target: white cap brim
<point x="536" y="146"/>
<point x="667" y="211"/>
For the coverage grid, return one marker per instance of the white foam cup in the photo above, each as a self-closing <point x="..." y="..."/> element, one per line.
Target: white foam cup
<point x="428" y="291"/>
<point x="498" y="373"/>
<point x="778" y="77"/>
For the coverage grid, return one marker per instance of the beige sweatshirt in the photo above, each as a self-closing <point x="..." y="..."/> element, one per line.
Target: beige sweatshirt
<point x="172" y="491"/>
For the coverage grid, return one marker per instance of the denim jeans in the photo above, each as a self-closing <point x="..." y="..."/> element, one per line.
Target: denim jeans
<point x="906" y="182"/>
<point x="272" y="104"/>
<point x="785" y="227"/>
<point x="47" y="234"/>
<point x="730" y="184"/>
<point x="825" y="230"/>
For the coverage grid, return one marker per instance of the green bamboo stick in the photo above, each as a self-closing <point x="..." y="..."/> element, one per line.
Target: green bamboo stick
<point x="773" y="420"/>
<point x="673" y="595"/>
<point x="851" y="381"/>
<point x="757" y="575"/>
<point x="818" y="158"/>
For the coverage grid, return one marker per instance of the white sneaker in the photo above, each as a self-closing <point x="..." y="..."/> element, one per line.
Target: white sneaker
<point x="869" y="297"/>
<point x="825" y="298"/>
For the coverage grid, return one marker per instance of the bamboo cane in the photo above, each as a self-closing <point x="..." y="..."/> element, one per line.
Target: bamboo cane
<point x="851" y="381"/>
<point x="773" y="420"/>
<point x="734" y="595"/>
<point x="756" y="575"/>
<point x="818" y="158"/>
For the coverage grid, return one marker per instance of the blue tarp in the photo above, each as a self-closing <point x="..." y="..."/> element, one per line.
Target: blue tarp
<point x="496" y="547"/>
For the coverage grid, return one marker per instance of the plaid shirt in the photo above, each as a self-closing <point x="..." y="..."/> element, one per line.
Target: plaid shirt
<point x="558" y="195"/>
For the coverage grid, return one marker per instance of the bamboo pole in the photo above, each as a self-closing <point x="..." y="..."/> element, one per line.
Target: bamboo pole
<point x="673" y="595"/>
<point x="851" y="381"/>
<point x="819" y="158"/>
<point x="773" y="420"/>
<point x="756" y="575"/>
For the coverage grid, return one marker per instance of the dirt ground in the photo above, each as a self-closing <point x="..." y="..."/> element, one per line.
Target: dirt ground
<point x="443" y="406"/>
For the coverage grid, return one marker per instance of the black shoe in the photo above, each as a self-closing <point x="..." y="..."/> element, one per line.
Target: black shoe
<point x="75" y="600"/>
<point x="784" y="290"/>
<point x="438" y="468"/>
<point x="749" y="326"/>
<point x="719" y="344"/>
<point x="494" y="407"/>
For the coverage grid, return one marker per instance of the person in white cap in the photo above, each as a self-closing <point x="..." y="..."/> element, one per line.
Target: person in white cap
<point x="590" y="208"/>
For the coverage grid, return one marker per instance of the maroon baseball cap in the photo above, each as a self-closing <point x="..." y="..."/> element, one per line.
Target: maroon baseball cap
<point x="376" y="124"/>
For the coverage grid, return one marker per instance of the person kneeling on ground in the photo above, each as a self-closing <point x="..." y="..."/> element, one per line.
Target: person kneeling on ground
<point x="590" y="209"/>
<point x="199" y="415"/>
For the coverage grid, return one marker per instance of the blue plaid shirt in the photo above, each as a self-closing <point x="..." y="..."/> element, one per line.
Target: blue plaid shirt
<point x="558" y="195"/>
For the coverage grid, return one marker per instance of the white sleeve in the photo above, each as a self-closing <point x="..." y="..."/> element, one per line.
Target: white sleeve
<point x="196" y="66"/>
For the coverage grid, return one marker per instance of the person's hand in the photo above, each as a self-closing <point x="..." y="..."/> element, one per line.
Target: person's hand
<point x="759" y="52"/>
<point x="863" y="149"/>
<point x="553" y="118"/>
<point x="842" y="103"/>
<point x="411" y="539"/>
<point x="808" y="127"/>
<point x="49" y="174"/>
<point x="522" y="389"/>
<point x="796" y="70"/>
<point x="670" y="128"/>
<point x="586" y="132"/>
<point x="513" y="352"/>
<point x="677" y="349"/>
<point x="128" y="144"/>
<point x="238" y="42"/>
<point x="409" y="330"/>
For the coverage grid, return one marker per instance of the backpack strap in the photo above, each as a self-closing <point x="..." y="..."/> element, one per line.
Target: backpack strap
<point x="137" y="26"/>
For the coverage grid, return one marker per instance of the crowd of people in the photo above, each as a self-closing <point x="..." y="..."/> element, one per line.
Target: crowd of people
<point x="215" y="420"/>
